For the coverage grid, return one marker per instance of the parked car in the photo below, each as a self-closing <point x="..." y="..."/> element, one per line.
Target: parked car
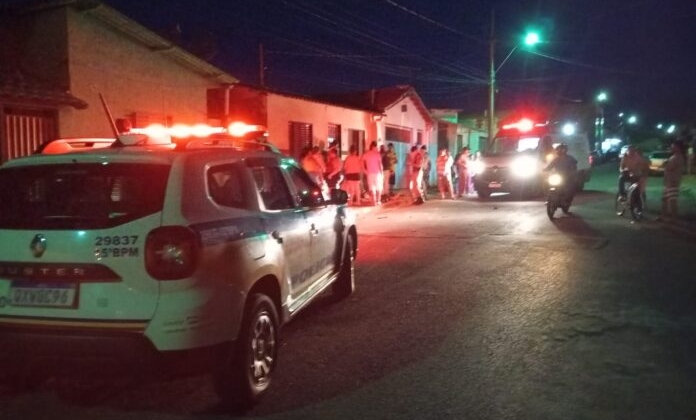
<point x="657" y="161"/>
<point x="162" y="259"/>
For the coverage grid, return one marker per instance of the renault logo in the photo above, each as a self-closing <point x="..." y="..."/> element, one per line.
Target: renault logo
<point x="38" y="245"/>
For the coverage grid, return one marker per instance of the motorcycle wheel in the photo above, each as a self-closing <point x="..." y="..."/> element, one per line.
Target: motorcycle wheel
<point x="619" y="205"/>
<point x="637" y="207"/>
<point x="551" y="209"/>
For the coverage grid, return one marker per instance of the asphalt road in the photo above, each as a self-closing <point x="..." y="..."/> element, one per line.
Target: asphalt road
<point x="467" y="310"/>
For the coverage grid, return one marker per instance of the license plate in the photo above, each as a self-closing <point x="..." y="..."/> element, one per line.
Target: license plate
<point x="494" y="185"/>
<point x="43" y="295"/>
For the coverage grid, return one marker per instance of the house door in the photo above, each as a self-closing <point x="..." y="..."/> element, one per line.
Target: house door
<point x="401" y="139"/>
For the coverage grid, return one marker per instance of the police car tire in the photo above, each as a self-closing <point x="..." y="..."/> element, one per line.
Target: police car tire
<point x="235" y="383"/>
<point x="344" y="285"/>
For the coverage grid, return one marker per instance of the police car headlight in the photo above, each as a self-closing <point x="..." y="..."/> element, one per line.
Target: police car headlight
<point x="555" y="180"/>
<point x="524" y="167"/>
<point x="477" y="167"/>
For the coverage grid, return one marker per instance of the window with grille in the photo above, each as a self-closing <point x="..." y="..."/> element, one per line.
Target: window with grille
<point x="334" y="137"/>
<point x="300" y="137"/>
<point x="24" y="130"/>
<point x="401" y="135"/>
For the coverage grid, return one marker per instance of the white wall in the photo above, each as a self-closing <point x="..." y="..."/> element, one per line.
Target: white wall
<point x="131" y="77"/>
<point x="284" y="109"/>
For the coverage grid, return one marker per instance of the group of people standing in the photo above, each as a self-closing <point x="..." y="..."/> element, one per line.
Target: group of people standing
<point x="379" y="167"/>
<point x="634" y="164"/>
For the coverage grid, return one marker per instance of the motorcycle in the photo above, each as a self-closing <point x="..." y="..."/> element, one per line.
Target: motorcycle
<point x="559" y="195"/>
<point x="633" y="200"/>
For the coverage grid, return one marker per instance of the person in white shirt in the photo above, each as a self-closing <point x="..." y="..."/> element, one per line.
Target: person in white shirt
<point x="372" y="163"/>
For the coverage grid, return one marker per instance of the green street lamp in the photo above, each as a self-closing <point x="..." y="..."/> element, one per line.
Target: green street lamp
<point x="531" y="38"/>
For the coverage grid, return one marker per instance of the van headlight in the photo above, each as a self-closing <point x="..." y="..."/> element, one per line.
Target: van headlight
<point x="477" y="167"/>
<point x="555" y="180"/>
<point x="524" y="167"/>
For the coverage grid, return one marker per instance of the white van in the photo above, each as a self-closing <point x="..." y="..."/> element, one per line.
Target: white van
<point x="514" y="161"/>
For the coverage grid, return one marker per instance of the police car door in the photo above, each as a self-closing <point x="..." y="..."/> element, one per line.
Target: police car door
<point x="321" y="219"/>
<point x="284" y="222"/>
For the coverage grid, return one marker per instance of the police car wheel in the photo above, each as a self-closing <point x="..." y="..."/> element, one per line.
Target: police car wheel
<point x="246" y="375"/>
<point x="344" y="285"/>
<point x="483" y="193"/>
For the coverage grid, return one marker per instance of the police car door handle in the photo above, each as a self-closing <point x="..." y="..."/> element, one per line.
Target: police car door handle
<point x="276" y="235"/>
<point x="313" y="230"/>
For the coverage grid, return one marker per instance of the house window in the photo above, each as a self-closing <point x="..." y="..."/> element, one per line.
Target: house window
<point x="419" y="137"/>
<point x="396" y="134"/>
<point x="24" y="130"/>
<point x="300" y="137"/>
<point x="404" y="108"/>
<point x="333" y="138"/>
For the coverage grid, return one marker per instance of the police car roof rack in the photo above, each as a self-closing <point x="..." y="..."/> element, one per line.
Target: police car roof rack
<point x="225" y="141"/>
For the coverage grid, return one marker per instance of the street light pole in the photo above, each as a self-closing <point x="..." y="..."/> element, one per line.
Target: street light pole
<point x="491" y="81"/>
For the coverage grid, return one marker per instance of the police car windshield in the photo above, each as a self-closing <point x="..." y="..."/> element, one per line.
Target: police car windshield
<point x="79" y="196"/>
<point x="510" y="145"/>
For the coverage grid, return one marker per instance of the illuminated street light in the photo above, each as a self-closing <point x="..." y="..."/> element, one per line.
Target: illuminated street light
<point x="599" y="122"/>
<point x="568" y="129"/>
<point x="632" y="119"/>
<point x="531" y="38"/>
<point x="671" y="129"/>
<point x="659" y="126"/>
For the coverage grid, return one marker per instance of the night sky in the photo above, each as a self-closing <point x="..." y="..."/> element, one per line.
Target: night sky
<point x="642" y="53"/>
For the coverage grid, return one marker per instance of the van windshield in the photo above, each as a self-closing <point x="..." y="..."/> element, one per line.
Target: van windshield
<point x="80" y="196"/>
<point x="510" y="145"/>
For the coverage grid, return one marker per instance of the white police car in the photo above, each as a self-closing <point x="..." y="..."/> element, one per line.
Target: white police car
<point x="152" y="257"/>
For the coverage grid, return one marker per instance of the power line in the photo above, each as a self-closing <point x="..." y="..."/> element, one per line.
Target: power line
<point x="434" y="22"/>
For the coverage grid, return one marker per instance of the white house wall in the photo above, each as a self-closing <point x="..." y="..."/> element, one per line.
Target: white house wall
<point x="411" y="120"/>
<point x="132" y="78"/>
<point x="284" y="109"/>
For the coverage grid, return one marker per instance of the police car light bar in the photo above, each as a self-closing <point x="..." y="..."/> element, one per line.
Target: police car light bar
<point x="524" y="125"/>
<point x="181" y="131"/>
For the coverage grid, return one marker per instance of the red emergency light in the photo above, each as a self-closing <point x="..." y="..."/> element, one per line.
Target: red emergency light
<point x="524" y="125"/>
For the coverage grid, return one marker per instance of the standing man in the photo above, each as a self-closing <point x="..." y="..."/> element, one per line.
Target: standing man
<point x="372" y="163"/>
<point x="426" y="167"/>
<point x="443" y="165"/>
<point x="462" y="172"/>
<point x="389" y="161"/>
<point x="351" y="170"/>
<point x="416" y="175"/>
<point x="674" y="169"/>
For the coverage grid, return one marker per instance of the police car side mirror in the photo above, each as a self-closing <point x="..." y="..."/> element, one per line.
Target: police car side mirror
<point x="338" y="196"/>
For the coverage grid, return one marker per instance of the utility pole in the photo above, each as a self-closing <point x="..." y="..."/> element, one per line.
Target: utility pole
<point x="262" y="70"/>
<point x="491" y="81"/>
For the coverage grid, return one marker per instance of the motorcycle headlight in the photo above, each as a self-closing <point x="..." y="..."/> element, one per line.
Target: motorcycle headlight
<point x="555" y="180"/>
<point x="524" y="167"/>
<point x="477" y="167"/>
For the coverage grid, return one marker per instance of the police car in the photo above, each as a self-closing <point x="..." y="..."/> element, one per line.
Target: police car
<point x="155" y="256"/>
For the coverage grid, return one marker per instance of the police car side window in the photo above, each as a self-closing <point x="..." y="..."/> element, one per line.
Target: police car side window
<point x="225" y="186"/>
<point x="272" y="188"/>
<point x="308" y="193"/>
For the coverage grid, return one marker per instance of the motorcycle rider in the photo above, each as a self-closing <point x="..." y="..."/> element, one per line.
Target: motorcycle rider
<point x="567" y="166"/>
<point x="632" y="164"/>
